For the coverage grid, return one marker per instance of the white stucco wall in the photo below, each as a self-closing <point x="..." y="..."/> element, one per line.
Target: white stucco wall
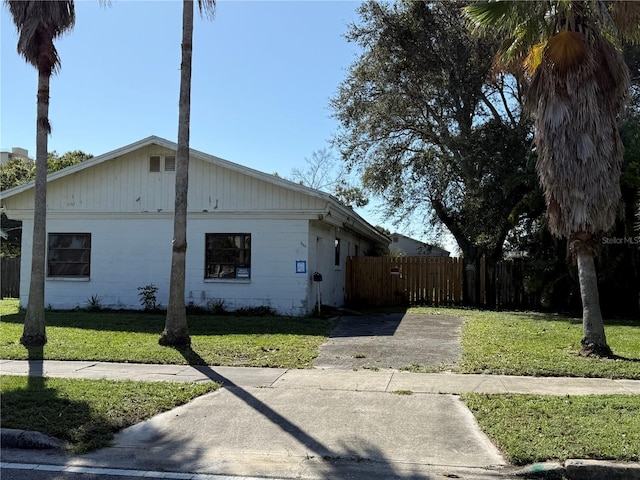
<point x="322" y="238"/>
<point x="128" y="211"/>
<point x="131" y="253"/>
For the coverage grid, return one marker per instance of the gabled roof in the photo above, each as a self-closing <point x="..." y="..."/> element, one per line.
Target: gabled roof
<point x="427" y="248"/>
<point x="154" y="140"/>
<point x="145" y="142"/>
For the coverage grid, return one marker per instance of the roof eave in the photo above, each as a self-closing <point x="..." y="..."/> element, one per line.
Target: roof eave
<point x="367" y="229"/>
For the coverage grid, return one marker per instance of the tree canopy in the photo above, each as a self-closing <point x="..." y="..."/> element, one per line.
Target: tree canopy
<point x="323" y="171"/>
<point x="19" y="170"/>
<point x="430" y="130"/>
<point x="580" y="82"/>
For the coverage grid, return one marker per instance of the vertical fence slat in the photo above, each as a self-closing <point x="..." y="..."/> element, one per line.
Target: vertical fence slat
<point x="419" y="281"/>
<point x="10" y="277"/>
<point x="427" y="281"/>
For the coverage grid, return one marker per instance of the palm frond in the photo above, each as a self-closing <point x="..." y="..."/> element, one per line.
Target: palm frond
<point x="533" y="60"/>
<point x="207" y="8"/>
<point x="565" y="50"/>
<point x="522" y="24"/>
<point x="579" y="149"/>
<point x="626" y="17"/>
<point x="488" y="15"/>
<point x="38" y="24"/>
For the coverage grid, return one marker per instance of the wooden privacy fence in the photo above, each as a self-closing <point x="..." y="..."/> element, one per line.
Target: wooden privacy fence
<point x="511" y="291"/>
<point x="386" y="281"/>
<point x="9" y="277"/>
<point x="404" y="281"/>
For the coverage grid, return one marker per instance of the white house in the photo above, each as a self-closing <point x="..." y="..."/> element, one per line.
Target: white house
<point x="410" y="247"/>
<point x="253" y="239"/>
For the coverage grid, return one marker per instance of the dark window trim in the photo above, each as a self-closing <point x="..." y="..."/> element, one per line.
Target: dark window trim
<point x="153" y="166"/>
<point x="53" y="263"/>
<point x="240" y="271"/>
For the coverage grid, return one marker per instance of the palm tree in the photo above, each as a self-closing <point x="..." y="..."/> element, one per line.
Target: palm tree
<point x="39" y="24"/>
<point x="176" y="330"/>
<point x="579" y="83"/>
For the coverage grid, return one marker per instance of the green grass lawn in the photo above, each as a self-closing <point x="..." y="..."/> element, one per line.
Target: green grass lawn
<point x="283" y="342"/>
<point x="527" y="428"/>
<point x="540" y="344"/>
<point x="535" y="428"/>
<point x="86" y="413"/>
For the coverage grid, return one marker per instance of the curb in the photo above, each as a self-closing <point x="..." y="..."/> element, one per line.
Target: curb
<point x="579" y="469"/>
<point x="547" y="470"/>
<point x="596" y="469"/>
<point x="13" y="438"/>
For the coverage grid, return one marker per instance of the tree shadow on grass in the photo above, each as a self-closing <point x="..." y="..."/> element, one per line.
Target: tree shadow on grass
<point x="141" y="322"/>
<point x="626" y="359"/>
<point x="380" y="325"/>
<point x="577" y="323"/>
<point x="557" y="317"/>
<point x="338" y="465"/>
<point x="37" y="405"/>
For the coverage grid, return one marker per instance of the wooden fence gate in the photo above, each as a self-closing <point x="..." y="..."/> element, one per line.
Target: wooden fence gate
<point x="386" y="281"/>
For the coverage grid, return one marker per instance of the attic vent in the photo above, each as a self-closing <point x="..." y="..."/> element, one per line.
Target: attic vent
<point x="154" y="163"/>
<point x="160" y="163"/>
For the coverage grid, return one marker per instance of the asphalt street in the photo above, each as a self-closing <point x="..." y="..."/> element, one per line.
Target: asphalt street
<point x="54" y="472"/>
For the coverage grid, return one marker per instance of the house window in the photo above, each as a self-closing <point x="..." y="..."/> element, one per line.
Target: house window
<point x="159" y="163"/>
<point x="337" y="260"/>
<point x="228" y="255"/>
<point x="69" y="255"/>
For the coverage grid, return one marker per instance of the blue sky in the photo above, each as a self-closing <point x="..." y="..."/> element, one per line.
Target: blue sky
<point x="263" y="74"/>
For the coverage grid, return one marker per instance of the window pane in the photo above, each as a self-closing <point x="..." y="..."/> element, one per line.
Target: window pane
<point x="69" y="255"/>
<point x="225" y="253"/>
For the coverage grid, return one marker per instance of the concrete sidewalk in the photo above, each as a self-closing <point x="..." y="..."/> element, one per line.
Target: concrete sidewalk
<point x="308" y="424"/>
<point x="324" y="379"/>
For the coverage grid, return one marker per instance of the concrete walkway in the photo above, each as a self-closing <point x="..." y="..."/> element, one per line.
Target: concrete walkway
<point x="380" y="381"/>
<point x="308" y="424"/>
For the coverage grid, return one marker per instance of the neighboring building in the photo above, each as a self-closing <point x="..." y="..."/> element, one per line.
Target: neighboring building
<point x="409" y="247"/>
<point x="253" y="239"/>
<point x="15" y="152"/>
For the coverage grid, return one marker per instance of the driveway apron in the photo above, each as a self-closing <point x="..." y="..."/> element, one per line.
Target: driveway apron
<point x="395" y="340"/>
<point x="349" y="426"/>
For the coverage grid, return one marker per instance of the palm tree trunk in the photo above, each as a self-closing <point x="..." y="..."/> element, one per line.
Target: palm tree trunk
<point x="176" y="330"/>
<point x="594" y="341"/>
<point x="34" y="333"/>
